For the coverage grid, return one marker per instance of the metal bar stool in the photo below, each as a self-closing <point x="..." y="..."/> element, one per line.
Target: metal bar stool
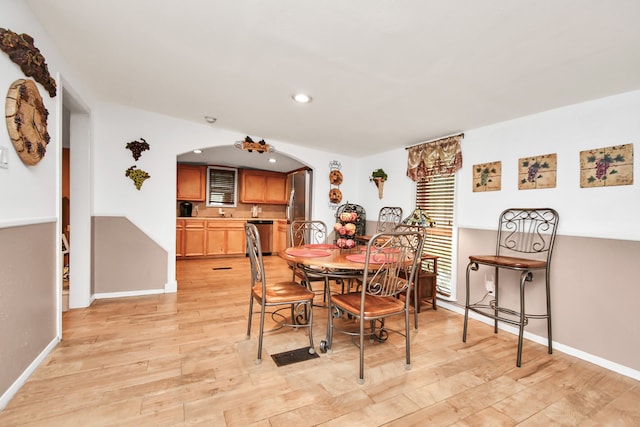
<point x="520" y="231"/>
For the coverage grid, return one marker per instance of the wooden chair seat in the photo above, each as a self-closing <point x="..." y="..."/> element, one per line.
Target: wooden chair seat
<point x="508" y="261"/>
<point x="283" y="292"/>
<point x="373" y="306"/>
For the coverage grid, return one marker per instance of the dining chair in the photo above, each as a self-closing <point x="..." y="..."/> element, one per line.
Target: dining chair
<point x="415" y="228"/>
<point x="524" y="244"/>
<point x="288" y="295"/>
<point x="309" y="232"/>
<point x="388" y="218"/>
<point x="383" y="292"/>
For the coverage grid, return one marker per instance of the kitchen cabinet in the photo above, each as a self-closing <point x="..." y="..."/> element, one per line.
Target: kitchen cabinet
<point x="280" y="233"/>
<point x="194" y="238"/>
<point x="263" y="187"/>
<point x="203" y="237"/>
<point x="192" y="182"/>
<point x="225" y="237"/>
<point x="180" y="237"/>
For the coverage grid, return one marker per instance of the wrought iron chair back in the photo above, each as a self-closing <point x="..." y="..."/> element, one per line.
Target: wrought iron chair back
<point x="388" y="218"/>
<point x="289" y="295"/>
<point x="528" y="231"/>
<point x="307" y="232"/>
<point x="387" y="258"/>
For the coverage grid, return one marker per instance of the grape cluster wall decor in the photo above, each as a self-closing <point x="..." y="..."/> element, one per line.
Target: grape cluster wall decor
<point x="604" y="167"/>
<point x="537" y="172"/>
<point x="138" y="176"/>
<point x="26" y="119"/>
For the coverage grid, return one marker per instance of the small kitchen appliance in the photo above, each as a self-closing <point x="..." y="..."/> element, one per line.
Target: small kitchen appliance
<point x="186" y="208"/>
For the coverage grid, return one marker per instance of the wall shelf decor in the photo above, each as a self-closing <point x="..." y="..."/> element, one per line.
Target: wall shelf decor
<point x="379" y="176"/>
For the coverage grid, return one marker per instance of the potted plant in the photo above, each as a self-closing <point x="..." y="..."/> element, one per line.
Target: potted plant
<point x="379" y="176"/>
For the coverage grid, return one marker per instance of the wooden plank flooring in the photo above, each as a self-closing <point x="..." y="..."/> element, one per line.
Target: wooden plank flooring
<point x="182" y="359"/>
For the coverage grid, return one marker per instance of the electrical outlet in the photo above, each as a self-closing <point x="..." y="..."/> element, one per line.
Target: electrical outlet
<point x="4" y="157"/>
<point x="489" y="285"/>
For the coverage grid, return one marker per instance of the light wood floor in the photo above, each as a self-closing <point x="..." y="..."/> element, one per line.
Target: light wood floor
<point x="182" y="359"/>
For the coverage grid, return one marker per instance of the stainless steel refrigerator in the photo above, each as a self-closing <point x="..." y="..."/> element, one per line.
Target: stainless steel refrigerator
<point x="299" y="206"/>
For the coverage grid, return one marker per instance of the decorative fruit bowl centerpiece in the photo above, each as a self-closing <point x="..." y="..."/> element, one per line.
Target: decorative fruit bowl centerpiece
<point x="345" y="229"/>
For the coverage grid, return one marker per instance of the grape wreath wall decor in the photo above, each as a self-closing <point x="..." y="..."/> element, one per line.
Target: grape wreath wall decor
<point x="138" y="176"/>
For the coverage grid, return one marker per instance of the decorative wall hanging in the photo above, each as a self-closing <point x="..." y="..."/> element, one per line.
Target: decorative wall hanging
<point x="27" y="121"/>
<point x="335" y="179"/>
<point x="379" y="176"/>
<point x="605" y="167"/>
<point x="487" y="177"/>
<point x="138" y="176"/>
<point x="22" y="51"/>
<point x="537" y="172"/>
<point x="249" y="145"/>
<point x="137" y="147"/>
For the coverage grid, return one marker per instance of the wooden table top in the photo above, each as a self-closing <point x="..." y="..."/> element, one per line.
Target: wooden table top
<point x="334" y="259"/>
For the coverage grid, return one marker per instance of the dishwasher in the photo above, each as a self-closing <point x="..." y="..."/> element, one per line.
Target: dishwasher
<point x="265" y="230"/>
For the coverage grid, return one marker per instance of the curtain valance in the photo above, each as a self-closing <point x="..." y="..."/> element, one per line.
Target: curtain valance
<point x="441" y="157"/>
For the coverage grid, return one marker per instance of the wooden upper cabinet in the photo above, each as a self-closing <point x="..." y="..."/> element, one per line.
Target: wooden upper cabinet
<point x="192" y="182"/>
<point x="263" y="187"/>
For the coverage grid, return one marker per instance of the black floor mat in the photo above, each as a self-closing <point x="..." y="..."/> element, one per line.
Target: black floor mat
<point x="293" y="356"/>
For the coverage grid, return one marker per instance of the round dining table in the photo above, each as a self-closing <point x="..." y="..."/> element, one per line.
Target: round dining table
<point x="331" y="262"/>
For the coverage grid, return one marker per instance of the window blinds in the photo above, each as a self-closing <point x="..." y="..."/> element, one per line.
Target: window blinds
<point x="436" y="198"/>
<point x="222" y="187"/>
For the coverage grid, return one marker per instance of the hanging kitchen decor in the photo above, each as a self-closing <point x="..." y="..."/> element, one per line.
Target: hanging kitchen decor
<point x="249" y="145"/>
<point x="335" y="179"/>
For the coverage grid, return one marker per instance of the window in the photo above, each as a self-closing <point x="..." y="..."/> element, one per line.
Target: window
<point x="222" y="186"/>
<point x="436" y="198"/>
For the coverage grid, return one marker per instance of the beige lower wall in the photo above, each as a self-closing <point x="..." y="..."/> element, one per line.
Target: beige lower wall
<point x="27" y="297"/>
<point x="594" y="293"/>
<point x="124" y="258"/>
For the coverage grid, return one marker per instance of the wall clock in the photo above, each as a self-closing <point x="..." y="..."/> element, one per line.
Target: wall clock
<point x="27" y="121"/>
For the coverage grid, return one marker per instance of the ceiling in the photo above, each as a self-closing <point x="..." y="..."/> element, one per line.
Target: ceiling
<point x="383" y="74"/>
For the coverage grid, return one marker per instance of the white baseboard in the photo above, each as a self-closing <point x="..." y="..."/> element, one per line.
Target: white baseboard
<point x="108" y="295"/>
<point x="596" y="360"/>
<point x="19" y="382"/>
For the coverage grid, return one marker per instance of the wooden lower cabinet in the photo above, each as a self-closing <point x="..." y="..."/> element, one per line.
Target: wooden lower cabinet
<point x="225" y="237"/>
<point x="180" y="238"/>
<point x="202" y="237"/>
<point x="280" y="233"/>
<point x="194" y="238"/>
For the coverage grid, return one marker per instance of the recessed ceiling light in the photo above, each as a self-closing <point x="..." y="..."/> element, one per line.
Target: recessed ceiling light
<point x="198" y="151"/>
<point x="210" y="119"/>
<point x="272" y="160"/>
<point x="302" y="98"/>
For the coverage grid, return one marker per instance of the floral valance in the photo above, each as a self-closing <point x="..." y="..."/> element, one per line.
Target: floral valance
<point x="441" y="157"/>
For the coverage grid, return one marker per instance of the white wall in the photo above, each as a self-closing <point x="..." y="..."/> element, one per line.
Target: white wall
<point x="152" y="208"/>
<point x="606" y="212"/>
<point x="399" y="190"/>
<point x="28" y="192"/>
